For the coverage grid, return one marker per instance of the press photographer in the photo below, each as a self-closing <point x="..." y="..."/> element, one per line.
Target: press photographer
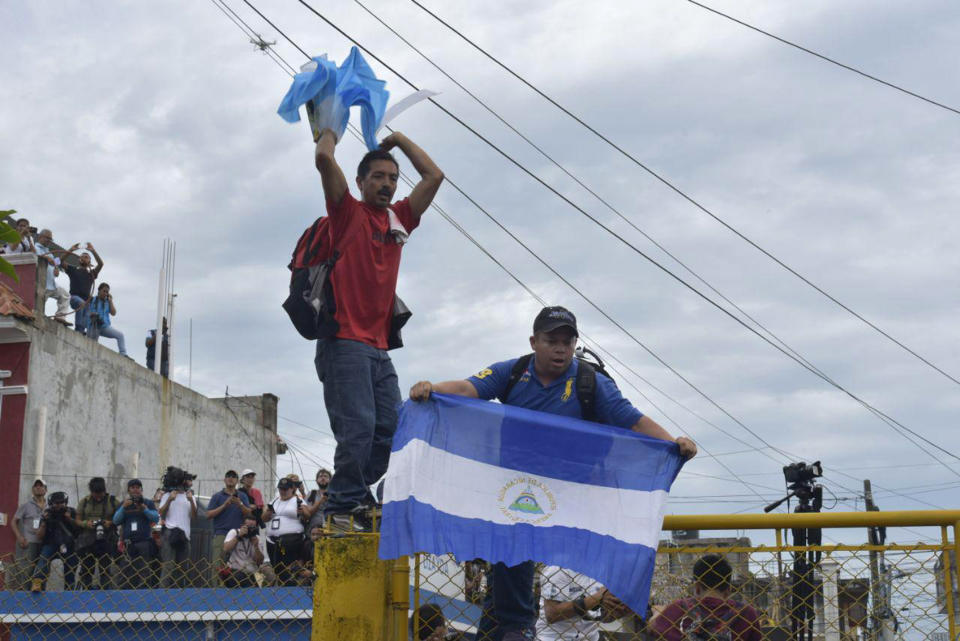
<point x="285" y="536"/>
<point x="57" y="533"/>
<point x="137" y="515"/>
<point x="97" y="543"/>
<point x="227" y="508"/>
<point x="178" y="508"/>
<point x="242" y="546"/>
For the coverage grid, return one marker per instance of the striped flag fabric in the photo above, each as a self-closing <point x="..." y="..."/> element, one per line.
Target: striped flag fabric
<point x="478" y="479"/>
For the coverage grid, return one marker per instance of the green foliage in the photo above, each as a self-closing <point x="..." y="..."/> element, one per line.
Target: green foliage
<point x="9" y="236"/>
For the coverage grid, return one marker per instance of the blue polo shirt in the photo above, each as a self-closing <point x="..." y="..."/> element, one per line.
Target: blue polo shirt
<point x="231" y="517"/>
<point x="559" y="397"/>
<point x="511" y="604"/>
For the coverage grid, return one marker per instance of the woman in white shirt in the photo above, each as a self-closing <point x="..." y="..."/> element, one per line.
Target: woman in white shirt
<point x="285" y="538"/>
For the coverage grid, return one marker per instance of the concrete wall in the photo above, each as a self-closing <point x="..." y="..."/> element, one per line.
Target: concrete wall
<point x="108" y="416"/>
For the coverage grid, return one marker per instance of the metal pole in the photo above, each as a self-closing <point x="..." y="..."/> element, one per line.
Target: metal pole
<point x="172" y="268"/>
<point x="190" y="368"/>
<point x="158" y="338"/>
<point x="831" y="600"/>
<point x="41" y="440"/>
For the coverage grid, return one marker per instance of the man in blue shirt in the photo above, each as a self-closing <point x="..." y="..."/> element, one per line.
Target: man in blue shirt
<point x="547" y="384"/>
<point x="137" y="515"/>
<point x="101" y="309"/>
<point x="227" y="509"/>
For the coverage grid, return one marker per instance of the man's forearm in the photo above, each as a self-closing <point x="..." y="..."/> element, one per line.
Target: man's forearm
<point x="418" y="158"/>
<point x="456" y="388"/>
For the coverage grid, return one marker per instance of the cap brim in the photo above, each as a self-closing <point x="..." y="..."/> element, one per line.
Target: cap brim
<point x="552" y="325"/>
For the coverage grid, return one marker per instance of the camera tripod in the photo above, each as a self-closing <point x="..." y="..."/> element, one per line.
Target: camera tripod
<point x="802" y="586"/>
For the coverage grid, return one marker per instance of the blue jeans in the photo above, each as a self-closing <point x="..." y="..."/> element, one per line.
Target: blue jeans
<point x="82" y="318"/>
<point x="108" y="331"/>
<point x="361" y="392"/>
<point x="47" y="552"/>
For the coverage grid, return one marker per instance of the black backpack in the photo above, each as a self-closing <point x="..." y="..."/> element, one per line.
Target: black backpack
<point x="586" y="383"/>
<point x="310" y="303"/>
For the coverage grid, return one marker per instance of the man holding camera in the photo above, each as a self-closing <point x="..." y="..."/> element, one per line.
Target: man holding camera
<point x="242" y="546"/>
<point x="136" y="515"/>
<point x="25" y="525"/>
<point x="227" y="508"/>
<point x="178" y="508"/>
<point x="98" y="536"/>
<point x="57" y="533"/>
<point x="101" y="309"/>
<point x="82" y="278"/>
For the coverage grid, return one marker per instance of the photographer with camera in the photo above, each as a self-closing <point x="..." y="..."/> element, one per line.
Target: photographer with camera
<point x="227" y="508"/>
<point x="97" y="543"/>
<point x="57" y="533"/>
<point x="178" y="507"/>
<point x="710" y="614"/>
<point x="242" y="546"/>
<point x="285" y="537"/>
<point x="101" y="309"/>
<point x="137" y="515"/>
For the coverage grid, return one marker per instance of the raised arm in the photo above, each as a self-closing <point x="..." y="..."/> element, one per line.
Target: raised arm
<point x="650" y="427"/>
<point x="334" y="182"/>
<point x="422" y="390"/>
<point x="430" y="175"/>
<point x="96" y="270"/>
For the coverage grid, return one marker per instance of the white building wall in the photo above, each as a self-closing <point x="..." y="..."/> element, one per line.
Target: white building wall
<point x="108" y="416"/>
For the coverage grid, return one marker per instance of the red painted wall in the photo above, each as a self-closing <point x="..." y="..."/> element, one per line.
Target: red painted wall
<point x="16" y="358"/>
<point x="26" y="288"/>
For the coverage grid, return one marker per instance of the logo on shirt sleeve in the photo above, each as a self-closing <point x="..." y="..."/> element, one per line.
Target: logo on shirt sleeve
<point x="482" y="374"/>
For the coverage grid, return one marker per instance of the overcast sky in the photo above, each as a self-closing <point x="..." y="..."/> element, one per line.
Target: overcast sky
<point x="127" y="122"/>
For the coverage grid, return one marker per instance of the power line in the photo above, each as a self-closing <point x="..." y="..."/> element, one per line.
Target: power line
<point x="823" y="57"/>
<point x="675" y="189"/>
<point x="892" y="423"/>
<point x="876" y="412"/>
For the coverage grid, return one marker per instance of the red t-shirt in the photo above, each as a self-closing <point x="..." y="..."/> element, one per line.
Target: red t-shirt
<point x="365" y="277"/>
<point x="675" y="620"/>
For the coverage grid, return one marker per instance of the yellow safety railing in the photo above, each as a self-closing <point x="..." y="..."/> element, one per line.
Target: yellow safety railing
<point x="776" y="591"/>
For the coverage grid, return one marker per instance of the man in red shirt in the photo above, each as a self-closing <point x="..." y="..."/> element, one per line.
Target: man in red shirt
<point x="360" y="387"/>
<point x="711" y="613"/>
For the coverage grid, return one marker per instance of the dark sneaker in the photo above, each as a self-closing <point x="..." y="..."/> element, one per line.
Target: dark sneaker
<point x="357" y="520"/>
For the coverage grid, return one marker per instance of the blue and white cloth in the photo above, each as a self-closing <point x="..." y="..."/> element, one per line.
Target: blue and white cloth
<point x="333" y="91"/>
<point x="485" y="480"/>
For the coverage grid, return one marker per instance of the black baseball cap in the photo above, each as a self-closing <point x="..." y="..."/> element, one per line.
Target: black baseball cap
<point x="133" y="482"/>
<point x="550" y="318"/>
<point x="285" y="484"/>
<point x="231" y="474"/>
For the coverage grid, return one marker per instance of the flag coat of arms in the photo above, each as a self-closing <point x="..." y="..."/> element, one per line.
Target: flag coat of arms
<point x="483" y="480"/>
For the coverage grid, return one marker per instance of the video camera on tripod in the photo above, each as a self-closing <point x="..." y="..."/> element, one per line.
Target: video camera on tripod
<point x="801" y="483"/>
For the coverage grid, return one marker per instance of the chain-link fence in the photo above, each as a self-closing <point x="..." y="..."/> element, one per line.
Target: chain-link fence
<point x="141" y="592"/>
<point x="717" y="588"/>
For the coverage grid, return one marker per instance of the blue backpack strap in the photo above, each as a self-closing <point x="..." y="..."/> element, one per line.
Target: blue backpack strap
<point x="515" y="373"/>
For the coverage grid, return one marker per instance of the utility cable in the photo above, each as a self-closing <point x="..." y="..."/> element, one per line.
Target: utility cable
<point x="676" y="189"/>
<point x="579" y="182"/>
<point x="824" y="58"/>
<point x="893" y="423"/>
<point x="507" y="231"/>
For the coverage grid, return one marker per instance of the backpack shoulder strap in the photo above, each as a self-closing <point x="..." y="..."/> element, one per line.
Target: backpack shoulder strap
<point x="515" y="373"/>
<point x="587" y="390"/>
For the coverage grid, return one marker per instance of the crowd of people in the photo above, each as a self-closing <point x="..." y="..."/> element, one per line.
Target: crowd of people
<point x="90" y="303"/>
<point x="135" y="542"/>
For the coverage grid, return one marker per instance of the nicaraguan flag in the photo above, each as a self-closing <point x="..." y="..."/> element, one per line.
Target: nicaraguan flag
<point x="501" y="483"/>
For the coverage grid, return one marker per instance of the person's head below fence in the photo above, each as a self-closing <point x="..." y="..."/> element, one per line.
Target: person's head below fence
<point x="712" y="575"/>
<point x="430" y="622"/>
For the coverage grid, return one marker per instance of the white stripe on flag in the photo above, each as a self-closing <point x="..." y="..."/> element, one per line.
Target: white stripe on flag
<point x="467" y="488"/>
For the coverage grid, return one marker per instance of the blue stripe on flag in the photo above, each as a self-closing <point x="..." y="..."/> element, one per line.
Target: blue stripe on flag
<point x="625" y="569"/>
<point x="538" y="443"/>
